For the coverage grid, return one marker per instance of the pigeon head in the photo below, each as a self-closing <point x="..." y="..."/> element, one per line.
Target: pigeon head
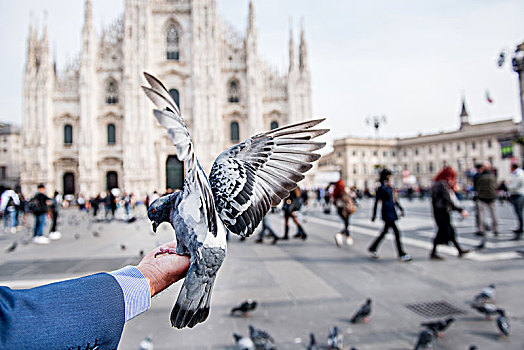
<point x="368" y="301"/>
<point x="160" y="210"/>
<point x="501" y="312"/>
<point x="449" y="320"/>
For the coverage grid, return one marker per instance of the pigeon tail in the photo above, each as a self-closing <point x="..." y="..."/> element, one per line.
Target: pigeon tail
<point x="192" y="305"/>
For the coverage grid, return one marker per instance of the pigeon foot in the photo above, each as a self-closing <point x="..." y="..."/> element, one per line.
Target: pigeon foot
<point x="165" y="251"/>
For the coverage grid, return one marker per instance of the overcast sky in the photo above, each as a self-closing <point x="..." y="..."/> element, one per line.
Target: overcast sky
<point x="409" y="60"/>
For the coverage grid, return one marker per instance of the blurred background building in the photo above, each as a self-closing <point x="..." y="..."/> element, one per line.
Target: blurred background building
<point x="416" y="160"/>
<point x="10" y="148"/>
<point x="88" y="127"/>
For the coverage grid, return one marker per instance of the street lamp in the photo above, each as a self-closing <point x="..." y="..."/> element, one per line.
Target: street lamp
<point x="517" y="62"/>
<point x="518" y="66"/>
<point x="376" y="121"/>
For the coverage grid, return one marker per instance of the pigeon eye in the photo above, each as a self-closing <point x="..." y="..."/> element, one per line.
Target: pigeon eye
<point x="153" y="211"/>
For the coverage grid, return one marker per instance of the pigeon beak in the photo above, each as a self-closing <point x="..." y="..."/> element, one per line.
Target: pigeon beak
<point x="155" y="225"/>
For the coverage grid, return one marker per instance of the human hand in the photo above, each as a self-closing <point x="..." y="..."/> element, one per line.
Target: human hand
<point x="464" y="213"/>
<point x="373" y="219"/>
<point x="402" y="213"/>
<point x="163" y="270"/>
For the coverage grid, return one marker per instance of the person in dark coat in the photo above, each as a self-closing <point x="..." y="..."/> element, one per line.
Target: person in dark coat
<point x="291" y="206"/>
<point x="444" y="201"/>
<point x="386" y="194"/>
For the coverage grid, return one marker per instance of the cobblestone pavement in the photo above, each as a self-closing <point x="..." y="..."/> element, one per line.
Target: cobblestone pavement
<point x="302" y="286"/>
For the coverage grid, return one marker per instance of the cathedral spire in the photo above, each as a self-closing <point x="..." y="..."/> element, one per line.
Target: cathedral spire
<point x="464" y="116"/>
<point x="88" y="14"/>
<point x="251" y="19"/>
<point x="302" y="58"/>
<point x="30" y="59"/>
<point x="291" y="46"/>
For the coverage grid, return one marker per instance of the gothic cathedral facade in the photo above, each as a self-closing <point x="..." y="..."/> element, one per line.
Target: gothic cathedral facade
<point x="88" y="127"/>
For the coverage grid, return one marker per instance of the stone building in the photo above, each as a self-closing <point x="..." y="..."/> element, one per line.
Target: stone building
<point x="10" y="147"/>
<point x="417" y="159"/>
<point x="88" y="127"/>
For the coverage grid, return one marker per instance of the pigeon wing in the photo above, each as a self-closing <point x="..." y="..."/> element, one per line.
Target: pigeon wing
<point x="258" y="173"/>
<point x="197" y="193"/>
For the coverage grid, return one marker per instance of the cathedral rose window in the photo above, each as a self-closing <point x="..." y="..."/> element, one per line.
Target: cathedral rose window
<point x="172" y="50"/>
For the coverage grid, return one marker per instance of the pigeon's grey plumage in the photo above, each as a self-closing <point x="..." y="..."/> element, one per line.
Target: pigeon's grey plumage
<point x="262" y="339"/>
<point x="146" y="344"/>
<point x="243" y="343"/>
<point x="12" y="247"/>
<point x="362" y="313"/>
<point x="425" y="340"/>
<point x="244" y="182"/>
<point x="487" y="309"/>
<point x="503" y="323"/>
<point x="335" y="339"/>
<point x="487" y="295"/>
<point x="437" y="327"/>
<point x="244" y="307"/>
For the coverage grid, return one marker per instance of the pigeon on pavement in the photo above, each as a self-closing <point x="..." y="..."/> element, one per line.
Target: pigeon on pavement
<point x="425" y="340"/>
<point x="12" y="247"/>
<point x="503" y="323"/>
<point x="487" y="295"/>
<point x="363" y="313"/>
<point x="438" y="327"/>
<point x="487" y="309"/>
<point x="146" y="344"/>
<point x="243" y="343"/>
<point x="335" y="339"/>
<point x="312" y="342"/>
<point x="262" y="339"/>
<point x="245" y="307"/>
<point x="245" y="181"/>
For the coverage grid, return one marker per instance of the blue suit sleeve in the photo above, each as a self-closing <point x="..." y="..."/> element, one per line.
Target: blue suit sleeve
<point x="83" y="313"/>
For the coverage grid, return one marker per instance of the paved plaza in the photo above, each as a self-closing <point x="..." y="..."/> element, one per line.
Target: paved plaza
<point x="302" y="286"/>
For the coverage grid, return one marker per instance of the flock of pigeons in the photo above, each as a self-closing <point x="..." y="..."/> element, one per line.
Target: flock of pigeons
<point x="259" y="339"/>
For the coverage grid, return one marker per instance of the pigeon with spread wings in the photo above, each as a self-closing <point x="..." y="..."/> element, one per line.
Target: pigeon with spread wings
<point x="245" y="181"/>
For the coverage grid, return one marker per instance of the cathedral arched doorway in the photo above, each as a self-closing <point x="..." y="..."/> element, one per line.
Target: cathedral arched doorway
<point x="111" y="180"/>
<point x="69" y="183"/>
<point x="174" y="173"/>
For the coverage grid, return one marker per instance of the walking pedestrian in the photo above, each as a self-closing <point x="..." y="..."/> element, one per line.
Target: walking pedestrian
<point x="444" y="201"/>
<point x="486" y="185"/>
<point x="56" y="203"/>
<point x="345" y="207"/>
<point x="387" y="195"/>
<point x="9" y="201"/>
<point x="516" y="190"/>
<point x="39" y="207"/>
<point x="291" y="207"/>
<point x="266" y="227"/>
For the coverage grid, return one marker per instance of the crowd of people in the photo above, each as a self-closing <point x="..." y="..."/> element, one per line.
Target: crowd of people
<point x="15" y="208"/>
<point x="444" y="201"/>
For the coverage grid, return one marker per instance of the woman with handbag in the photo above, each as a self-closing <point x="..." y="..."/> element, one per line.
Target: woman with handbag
<point x="345" y="207"/>
<point x="386" y="194"/>
<point x="291" y="206"/>
<point x="444" y="201"/>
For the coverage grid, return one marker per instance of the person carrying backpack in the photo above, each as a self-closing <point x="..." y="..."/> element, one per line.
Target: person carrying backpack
<point x="8" y="203"/>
